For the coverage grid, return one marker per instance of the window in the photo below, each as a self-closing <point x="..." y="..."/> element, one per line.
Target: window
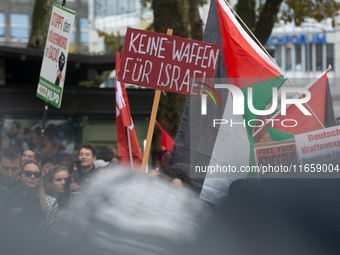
<point x="298" y="55"/>
<point x="309" y="57"/>
<point x="84" y="30"/>
<point x="19" y="25"/>
<point x="289" y="57"/>
<point x="318" y="57"/>
<point x="73" y="36"/>
<point x="2" y="24"/>
<point x="330" y="55"/>
<point x="278" y="55"/>
<point x="126" y="6"/>
<point x="98" y="8"/>
<point x="114" y="7"/>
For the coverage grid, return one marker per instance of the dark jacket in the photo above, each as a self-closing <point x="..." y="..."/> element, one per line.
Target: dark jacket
<point x="24" y="207"/>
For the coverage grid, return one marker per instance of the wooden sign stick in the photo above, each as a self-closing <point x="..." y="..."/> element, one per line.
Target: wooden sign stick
<point x="152" y="124"/>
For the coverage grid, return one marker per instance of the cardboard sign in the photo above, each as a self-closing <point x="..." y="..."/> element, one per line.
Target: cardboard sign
<point x="282" y="153"/>
<point x="318" y="146"/>
<point x="167" y="62"/>
<point x="53" y="68"/>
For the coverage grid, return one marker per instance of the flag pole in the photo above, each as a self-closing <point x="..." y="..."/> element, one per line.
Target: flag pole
<point x="264" y="125"/>
<point x="264" y="49"/>
<point x="42" y="130"/>
<point x="152" y="123"/>
<point x="129" y="143"/>
<point x="150" y="130"/>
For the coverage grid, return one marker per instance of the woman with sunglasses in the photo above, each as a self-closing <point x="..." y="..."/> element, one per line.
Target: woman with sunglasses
<point x="31" y="177"/>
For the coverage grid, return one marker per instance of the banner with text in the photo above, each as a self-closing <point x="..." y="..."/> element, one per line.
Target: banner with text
<point x="167" y="62"/>
<point x="53" y="68"/>
<point x="318" y="146"/>
<point x="275" y="153"/>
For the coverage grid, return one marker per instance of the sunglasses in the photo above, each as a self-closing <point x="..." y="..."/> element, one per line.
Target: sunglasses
<point x="29" y="174"/>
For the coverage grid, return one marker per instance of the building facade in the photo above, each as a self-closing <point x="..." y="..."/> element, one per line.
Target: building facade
<point x="305" y="52"/>
<point x="87" y="114"/>
<point x="16" y="23"/>
<point x="114" y="16"/>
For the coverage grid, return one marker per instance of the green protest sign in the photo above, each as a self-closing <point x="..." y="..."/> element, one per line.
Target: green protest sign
<point x="53" y="68"/>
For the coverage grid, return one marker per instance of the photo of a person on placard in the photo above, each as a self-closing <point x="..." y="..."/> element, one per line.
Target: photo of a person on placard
<point x="61" y="64"/>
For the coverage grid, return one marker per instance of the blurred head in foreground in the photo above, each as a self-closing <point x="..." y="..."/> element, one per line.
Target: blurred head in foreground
<point x="122" y="213"/>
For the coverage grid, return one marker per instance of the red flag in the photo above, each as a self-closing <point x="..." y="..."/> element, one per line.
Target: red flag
<point x="123" y="120"/>
<point x="167" y="142"/>
<point x="306" y="123"/>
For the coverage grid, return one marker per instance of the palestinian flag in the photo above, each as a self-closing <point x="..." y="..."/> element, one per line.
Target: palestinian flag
<point x="321" y="105"/>
<point x="247" y="65"/>
<point x="199" y="143"/>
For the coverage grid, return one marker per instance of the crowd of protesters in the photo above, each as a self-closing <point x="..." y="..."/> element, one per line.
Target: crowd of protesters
<point x="76" y="204"/>
<point x="37" y="197"/>
<point x="38" y="193"/>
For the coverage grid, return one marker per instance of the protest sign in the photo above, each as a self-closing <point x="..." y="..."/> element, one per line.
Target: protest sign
<point x="275" y="159"/>
<point x="318" y="146"/>
<point x="53" y="68"/>
<point x="166" y="62"/>
<point x="282" y="153"/>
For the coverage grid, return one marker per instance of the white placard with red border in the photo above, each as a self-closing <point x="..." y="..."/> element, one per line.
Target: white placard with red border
<point x="318" y="146"/>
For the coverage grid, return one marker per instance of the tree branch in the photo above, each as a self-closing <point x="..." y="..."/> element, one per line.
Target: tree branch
<point x="267" y="19"/>
<point x="246" y="10"/>
<point x="195" y="20"/>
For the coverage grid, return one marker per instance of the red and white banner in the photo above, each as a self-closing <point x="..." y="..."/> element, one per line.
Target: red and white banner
<point x="123" y="120"/>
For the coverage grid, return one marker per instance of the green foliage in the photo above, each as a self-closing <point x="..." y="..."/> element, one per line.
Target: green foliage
<point x="299" y="10"/>
<point x="100" y="78"/>
<point x="145" y="2"/>
<point x="270" y="11"/>
<point x="114" y="42"/>
<point x="202" y="2"/>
